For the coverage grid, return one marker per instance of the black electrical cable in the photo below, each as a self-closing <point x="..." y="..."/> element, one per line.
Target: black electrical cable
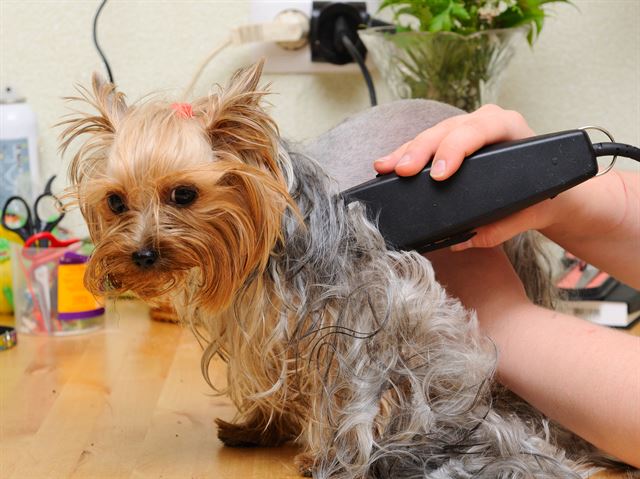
<point x="95" y="40"/>
<point x="618" y="149"/>
<point x="355" y="54"/>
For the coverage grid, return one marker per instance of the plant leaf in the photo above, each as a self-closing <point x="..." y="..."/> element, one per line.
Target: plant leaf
<point x="458" y="11"/>
<point x="464" y="16"/>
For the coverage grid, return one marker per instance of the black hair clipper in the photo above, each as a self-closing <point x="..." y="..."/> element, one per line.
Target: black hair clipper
<point x="422" y="214"/>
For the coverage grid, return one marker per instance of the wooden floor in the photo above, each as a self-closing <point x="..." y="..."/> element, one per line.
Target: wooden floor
<point x="126" y="402"/>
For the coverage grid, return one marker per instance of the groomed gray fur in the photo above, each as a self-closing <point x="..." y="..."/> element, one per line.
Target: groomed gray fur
<point x="347" y="151"/>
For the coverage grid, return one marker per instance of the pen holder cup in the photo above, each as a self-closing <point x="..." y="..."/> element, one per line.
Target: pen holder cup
<point x="48" y="293"/>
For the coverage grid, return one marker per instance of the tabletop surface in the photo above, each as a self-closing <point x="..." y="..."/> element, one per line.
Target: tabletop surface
<point x="125" y="402"/>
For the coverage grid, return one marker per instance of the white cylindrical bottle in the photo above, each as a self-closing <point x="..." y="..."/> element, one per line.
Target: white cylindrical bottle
<point x="19" y="167"/>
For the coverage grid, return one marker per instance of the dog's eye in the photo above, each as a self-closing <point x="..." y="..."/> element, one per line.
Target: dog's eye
<point x="183" y="195"/>
<point x="116" y="203"/>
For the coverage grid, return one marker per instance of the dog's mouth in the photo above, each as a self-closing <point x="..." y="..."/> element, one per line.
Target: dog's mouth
<point x="114" y="275"/>
<point x="147" y="285"/>
<point x="211" y="274"/>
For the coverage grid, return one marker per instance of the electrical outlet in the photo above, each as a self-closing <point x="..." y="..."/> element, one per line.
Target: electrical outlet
<point x="281" y="60"/>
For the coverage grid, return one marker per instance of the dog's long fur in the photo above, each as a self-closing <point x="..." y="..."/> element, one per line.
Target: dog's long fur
<point x="332" y="340"/>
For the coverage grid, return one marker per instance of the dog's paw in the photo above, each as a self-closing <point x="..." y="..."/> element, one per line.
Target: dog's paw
<point x="254" y="434"/>
<point x="305" y="464"/>
<point x="237" y="435"/>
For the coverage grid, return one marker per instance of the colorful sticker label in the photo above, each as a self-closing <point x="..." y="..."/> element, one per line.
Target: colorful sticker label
<point x="74" y="301"/>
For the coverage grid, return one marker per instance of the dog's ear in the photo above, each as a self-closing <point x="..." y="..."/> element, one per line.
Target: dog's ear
<point x="99" y="126"/>
<point x="236" y="122"/>
<point x="243" y="85"/>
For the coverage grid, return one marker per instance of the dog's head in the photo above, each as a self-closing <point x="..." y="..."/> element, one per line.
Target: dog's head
<point x="176" y="190"/>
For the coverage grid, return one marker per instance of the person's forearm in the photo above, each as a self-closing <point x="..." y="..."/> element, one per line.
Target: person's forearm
<point x="599" y="221"/>
<point x="584" y="376"/>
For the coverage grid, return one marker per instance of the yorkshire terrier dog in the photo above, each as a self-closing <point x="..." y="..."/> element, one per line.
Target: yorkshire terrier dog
<point x="332" y="341"/>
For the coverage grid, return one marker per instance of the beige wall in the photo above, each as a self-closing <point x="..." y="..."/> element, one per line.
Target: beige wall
<point x="585" y="68"/>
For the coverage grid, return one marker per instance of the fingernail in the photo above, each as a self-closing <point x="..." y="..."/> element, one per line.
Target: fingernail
<point x="381" y="160"/>
<point x="404" y="160"/>
<point x="462" y="246"/>
<point x="438" y="168"/>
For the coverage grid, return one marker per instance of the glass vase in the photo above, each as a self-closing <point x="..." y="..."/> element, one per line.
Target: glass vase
<point x="462" y="70"/>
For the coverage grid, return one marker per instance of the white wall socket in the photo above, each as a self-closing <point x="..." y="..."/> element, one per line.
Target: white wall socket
<point x="279" y="60"/>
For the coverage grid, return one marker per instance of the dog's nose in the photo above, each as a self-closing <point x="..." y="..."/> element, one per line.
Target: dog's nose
<point x="145" y="258"/>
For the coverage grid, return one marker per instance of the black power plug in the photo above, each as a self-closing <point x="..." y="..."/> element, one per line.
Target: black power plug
<point x="334" y="36"/>
<point x="330" y="23"/>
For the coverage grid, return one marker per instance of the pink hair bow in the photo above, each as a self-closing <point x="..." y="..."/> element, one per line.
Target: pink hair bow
<point x="185" y="110"/>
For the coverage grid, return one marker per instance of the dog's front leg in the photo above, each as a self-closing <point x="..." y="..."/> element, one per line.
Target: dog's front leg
<point x="258" y="429"/>
<point x="306" y="463"/>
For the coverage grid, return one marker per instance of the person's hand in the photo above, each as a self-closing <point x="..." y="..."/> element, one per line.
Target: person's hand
<point x="455" y="138"/>
<point x="483" y="280"/>
<point x="451" y="140"/>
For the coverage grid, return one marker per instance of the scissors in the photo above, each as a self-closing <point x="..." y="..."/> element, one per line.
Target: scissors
<point x="31" y="224"/>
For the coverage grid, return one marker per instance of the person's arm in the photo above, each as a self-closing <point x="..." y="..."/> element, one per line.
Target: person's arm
<point x="598" y="221"/>
<point x="584" y="376"/>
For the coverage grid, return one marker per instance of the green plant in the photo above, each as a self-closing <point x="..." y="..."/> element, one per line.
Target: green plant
<point x="461" y="70"/>
<point x="470" y="16"/>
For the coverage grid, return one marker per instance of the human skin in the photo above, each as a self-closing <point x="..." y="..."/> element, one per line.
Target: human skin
<point x="584" y="376"/>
